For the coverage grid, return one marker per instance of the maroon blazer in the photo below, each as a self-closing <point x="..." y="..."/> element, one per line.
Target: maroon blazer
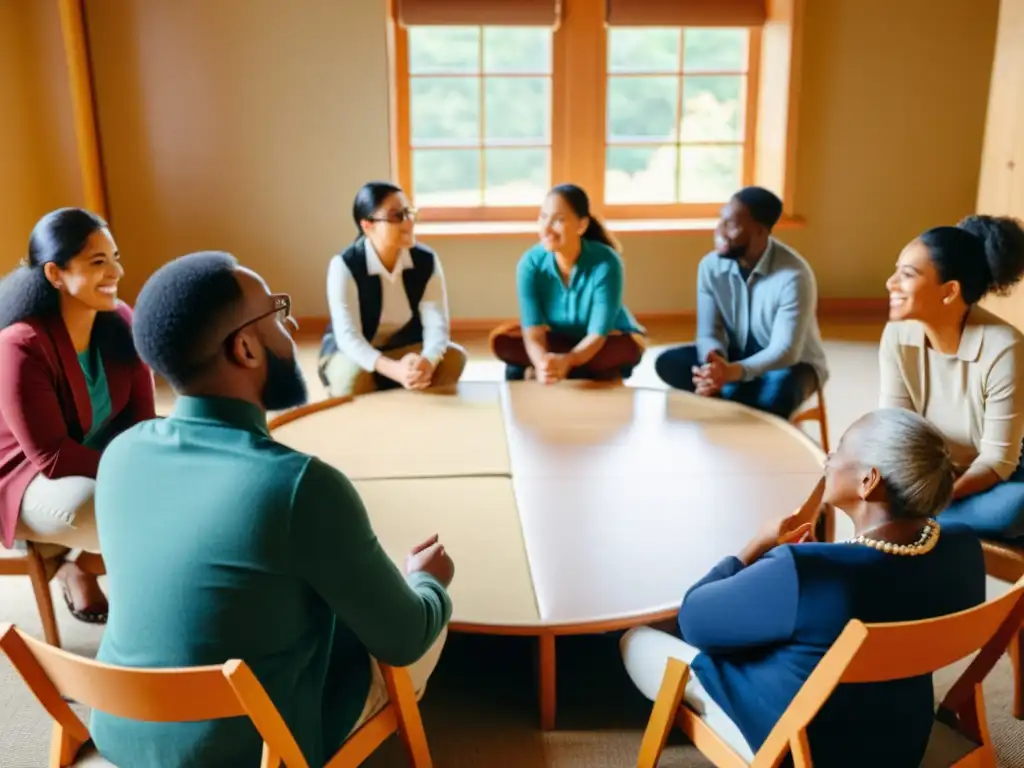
<point x="45" y="411"/>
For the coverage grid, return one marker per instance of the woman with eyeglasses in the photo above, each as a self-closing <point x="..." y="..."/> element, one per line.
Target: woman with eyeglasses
<point x="70" y="381"/>
<point x="389" y="323"/>
<point x="572" y="322"/>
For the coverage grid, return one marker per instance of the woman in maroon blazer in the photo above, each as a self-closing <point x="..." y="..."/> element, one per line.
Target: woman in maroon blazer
<point x="70" y="380"/>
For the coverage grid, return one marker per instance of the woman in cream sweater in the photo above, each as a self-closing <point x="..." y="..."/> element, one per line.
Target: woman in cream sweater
<point x="957" y="364"/>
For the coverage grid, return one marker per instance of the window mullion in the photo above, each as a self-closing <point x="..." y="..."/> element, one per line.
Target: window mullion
<point x="677" y="180"/>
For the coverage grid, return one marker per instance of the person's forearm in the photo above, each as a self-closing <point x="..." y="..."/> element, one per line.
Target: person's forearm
<point x="708" y="344"/>
<point x="586" y="350"/>
<point x="771" y="358"/>
<point x="385" y="366"/>
<point x="535" y="342"/>
<point x="976" y="479"/>
<point x="396" y="617"/>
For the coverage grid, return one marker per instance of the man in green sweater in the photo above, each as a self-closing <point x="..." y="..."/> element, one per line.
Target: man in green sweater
<point x="221" y="543"/>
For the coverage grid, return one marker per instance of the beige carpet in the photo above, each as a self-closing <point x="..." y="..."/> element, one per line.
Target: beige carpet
<point x="480" y="708"/>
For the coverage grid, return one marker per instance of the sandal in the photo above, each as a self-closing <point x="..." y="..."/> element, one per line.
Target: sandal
<point x="89" y="617"/>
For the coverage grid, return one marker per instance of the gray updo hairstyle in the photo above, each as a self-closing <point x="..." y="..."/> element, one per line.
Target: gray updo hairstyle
<point x="912" y="458"/>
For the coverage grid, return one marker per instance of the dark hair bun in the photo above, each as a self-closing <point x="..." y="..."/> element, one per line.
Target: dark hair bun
<point x="1003" y="239"/>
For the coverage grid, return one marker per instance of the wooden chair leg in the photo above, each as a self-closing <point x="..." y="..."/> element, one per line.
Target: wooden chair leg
<point x="1017" y="664"/>
<point x="663" y="713"/>
<point x="402" y="696"/>
<point x="44" y="599"/>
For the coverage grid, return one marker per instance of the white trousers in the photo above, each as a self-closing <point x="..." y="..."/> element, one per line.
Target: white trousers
<point x="420" y="672"/>
<point x="645" y="653"/>
<point x="59" y="515"/>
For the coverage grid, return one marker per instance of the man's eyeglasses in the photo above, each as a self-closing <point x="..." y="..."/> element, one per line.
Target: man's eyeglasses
<point x="282" y="308"/>
<point x="397" y="217"/>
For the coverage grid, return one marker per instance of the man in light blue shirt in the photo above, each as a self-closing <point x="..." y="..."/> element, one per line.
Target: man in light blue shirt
<point x="758" y="341"/>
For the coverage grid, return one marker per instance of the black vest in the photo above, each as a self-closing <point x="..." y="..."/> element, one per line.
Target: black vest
<point x="371" y="294"/>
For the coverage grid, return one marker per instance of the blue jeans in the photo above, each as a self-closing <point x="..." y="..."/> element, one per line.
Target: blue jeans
<point x="997" y="513"/>
<point x="779" y="392"/>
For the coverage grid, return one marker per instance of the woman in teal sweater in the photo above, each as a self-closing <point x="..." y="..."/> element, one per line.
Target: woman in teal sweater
<point x="573" y="324"/>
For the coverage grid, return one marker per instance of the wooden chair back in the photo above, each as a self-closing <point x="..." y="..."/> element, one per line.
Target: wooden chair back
<point x="160" y="695"/>
<point x="818" y="413"/>
<point x="1005" y="561"/>
<point x="863" y="653"/>
<point x="872" y="653"/>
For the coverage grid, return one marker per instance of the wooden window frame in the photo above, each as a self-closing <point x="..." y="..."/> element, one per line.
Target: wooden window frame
<point x="680" y="210"/>
<point x="578" y="134"/>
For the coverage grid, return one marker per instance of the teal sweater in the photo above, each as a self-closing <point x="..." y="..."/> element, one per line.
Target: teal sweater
<point x="221" y="543"/>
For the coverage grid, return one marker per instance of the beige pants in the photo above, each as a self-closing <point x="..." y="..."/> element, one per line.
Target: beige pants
<point x="646" y="651"/>
<point x="344" y="377"/>
<point x="420" y="671"/>
<point x="58" y="516"/>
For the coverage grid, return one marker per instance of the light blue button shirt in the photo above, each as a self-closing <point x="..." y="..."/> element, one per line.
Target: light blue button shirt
<point x="767" y="321"/>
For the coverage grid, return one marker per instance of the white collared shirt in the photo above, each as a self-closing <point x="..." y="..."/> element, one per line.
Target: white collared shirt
<point x="343" y="302"/>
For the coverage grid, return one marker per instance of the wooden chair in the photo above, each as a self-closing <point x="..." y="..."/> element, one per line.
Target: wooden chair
<point x="34" y="565"/>
<point x="1006" y="562"/>
<point x="815" y="412"/>
<point x="200" y="693"/>
<point x="864" y="653"/>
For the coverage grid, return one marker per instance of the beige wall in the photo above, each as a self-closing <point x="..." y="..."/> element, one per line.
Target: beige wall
<point x="242" y="125"/>
<point x="247" y="125"/>
<point x="57" y="162"/>
<point x="18" y="183"/>
<point x="38" y="156"/>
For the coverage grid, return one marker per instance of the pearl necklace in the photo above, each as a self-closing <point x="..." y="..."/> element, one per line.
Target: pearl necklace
<point x="925" y="542"/>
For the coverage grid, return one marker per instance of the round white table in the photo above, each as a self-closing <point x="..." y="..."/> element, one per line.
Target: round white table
<point x="570" y="509"/>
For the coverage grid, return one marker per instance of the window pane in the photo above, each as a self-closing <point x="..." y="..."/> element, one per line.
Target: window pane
<point x="516" y="176"/>
<point x="710" y="174"/>
<point x="643" y="50"/>
<point x="517" y="50"/>
<point x="715" y="50"/>
<point x="642" y="108"/>
<point x="445" y="110"/>
<point x="518" y="110"/>
<point x="446" y="177"/>
<point x="640" y="175"/>
<point x="434" y="50"/>
<point x="713" y="108"/>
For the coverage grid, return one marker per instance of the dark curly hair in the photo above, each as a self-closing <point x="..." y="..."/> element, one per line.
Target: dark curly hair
<point x="57" y="238"/>
<point x="176" y="309"/>
<point x="985" y="254"/>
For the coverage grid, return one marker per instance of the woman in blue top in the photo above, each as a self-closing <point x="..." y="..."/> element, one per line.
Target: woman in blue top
<point x="755" y="627"/>
<point x="572" y="321"/>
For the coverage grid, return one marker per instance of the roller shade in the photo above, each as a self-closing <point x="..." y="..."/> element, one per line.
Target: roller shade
<point x="686" y="13"/>
<point x="496" y="13"/>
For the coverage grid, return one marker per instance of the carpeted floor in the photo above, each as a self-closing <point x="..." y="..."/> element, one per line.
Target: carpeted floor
<point x="480" y="708"/>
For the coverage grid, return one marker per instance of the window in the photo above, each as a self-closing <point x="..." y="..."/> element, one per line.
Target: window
<point x="652" y="107"/>
<point x="677" y="117"/>
<point x="479" y="115"/>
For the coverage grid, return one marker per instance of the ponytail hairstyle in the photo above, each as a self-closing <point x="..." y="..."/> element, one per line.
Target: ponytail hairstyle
<point x="368" y="199"/>
<point x="57" y="238"/>
<point x="985" y="254"/>
<point x="577" y="199"/>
